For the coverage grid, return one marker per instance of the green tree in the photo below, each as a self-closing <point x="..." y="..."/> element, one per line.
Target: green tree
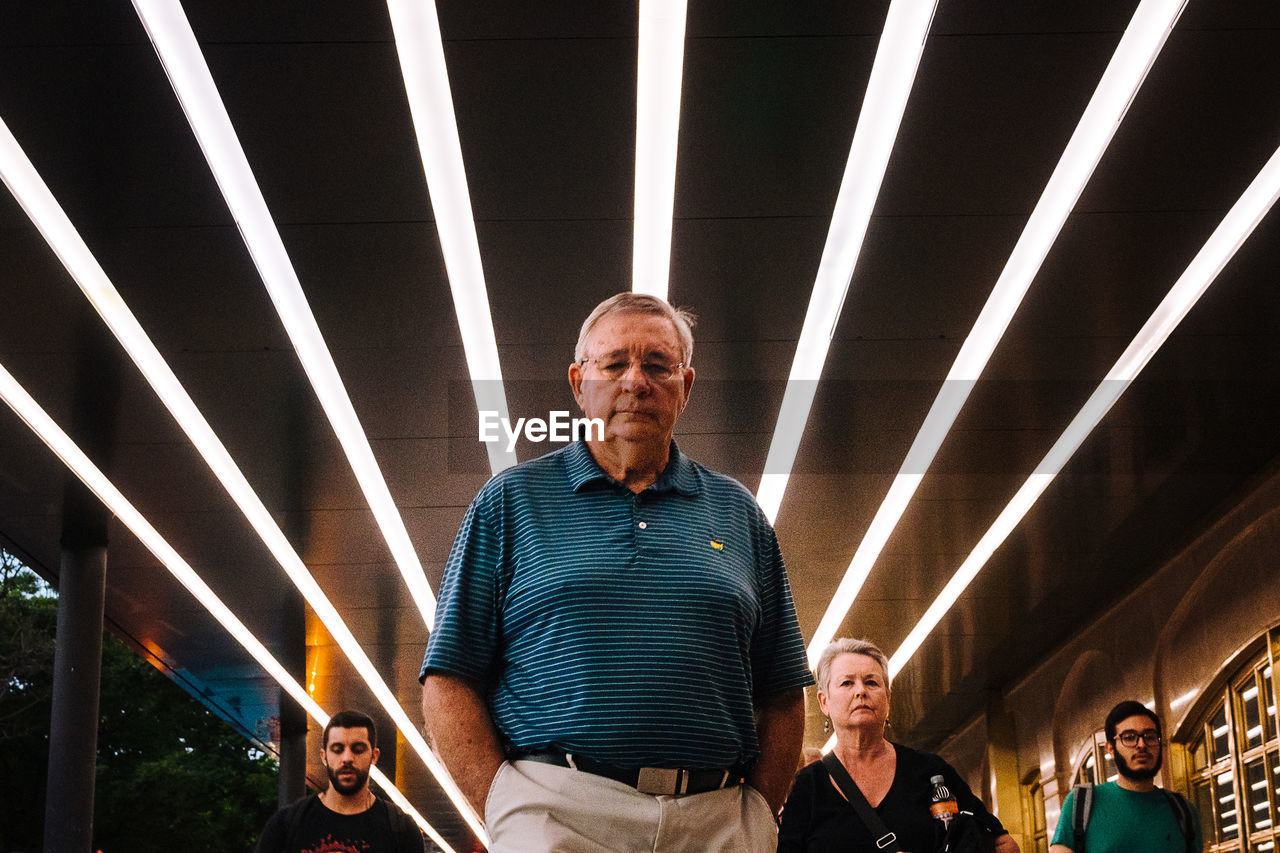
<point x="28" y="616"/>
<point x="171" y="774"/>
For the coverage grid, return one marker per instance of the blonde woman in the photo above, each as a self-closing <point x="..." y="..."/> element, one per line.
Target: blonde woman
<point x="853" y="691"/>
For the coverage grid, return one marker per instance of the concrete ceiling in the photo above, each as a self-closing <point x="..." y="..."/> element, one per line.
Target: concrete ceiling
<point x="545" y="103"/>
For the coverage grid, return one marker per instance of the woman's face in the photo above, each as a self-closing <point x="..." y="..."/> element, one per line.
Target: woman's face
<point x="857" y="694"/>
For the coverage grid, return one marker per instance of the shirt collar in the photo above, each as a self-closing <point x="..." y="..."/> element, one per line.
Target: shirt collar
<point x="680" y="475"/>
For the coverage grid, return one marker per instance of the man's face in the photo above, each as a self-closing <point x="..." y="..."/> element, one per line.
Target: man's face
<point x="347" y="758"/>
<point x="634" y="406"/>
<point x="1141" y="761"/>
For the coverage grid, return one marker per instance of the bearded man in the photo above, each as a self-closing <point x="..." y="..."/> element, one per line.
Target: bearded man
<point x="346" y="815"/>
<point x="1130" y="815"/>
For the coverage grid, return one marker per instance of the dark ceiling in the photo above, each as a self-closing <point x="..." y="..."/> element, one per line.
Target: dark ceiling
<point x="545" y="102"/>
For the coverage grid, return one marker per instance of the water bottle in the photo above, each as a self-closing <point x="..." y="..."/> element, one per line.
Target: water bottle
<point x="942" y="805"/>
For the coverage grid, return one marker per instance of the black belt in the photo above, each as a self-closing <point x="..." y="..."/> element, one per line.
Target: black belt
<point x="647" y="780"/>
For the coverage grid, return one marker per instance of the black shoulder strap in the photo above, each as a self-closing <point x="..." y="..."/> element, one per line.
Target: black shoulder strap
<point x="884" y="837"/>
<point x="1081" y="809"/>
<point x="1183" y="812"/>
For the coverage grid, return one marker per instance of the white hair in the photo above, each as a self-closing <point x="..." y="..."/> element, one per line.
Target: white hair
<point x="847" y="646"/>
<point x="640" y="303"/>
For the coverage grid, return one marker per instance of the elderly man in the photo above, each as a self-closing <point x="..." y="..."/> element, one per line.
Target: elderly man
<point x="616" y="663"/>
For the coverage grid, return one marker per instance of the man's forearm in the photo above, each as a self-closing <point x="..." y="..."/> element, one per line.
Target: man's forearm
<point x="462" y="734"/>
<point x="780" y="730"/>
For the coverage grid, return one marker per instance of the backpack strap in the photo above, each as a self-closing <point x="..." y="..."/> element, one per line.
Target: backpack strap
<point x="885" y="839"/>
<point x="1182" y="810"/>
<point x="1081" y="811"/>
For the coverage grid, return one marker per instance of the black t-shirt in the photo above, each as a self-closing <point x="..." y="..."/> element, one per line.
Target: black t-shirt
<point x="816" y="819"/>
<point x="320" y="830"/>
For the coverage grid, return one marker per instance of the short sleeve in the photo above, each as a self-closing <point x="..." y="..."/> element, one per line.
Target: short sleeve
<point x="1065" y="833"/>
<point x="797" y="814"/>
<point x="468" y="623"/>
<point x="411" y="838"/>
<point x="778" y="660"/>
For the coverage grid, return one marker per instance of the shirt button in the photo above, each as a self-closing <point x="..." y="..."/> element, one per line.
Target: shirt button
<point x="643" y="525"/>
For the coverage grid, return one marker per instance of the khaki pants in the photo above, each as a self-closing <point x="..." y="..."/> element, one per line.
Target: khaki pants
<point x="540" y="808"/>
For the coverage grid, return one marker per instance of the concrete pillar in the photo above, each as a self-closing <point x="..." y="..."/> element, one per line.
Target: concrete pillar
<point x="296" y="401"/>
<point x="293" y="719"/>
<point x="293" y="752"/>
<point x="82" y="584"/>
<point x="1002" y="757"/>
<point x="73" y="724"/>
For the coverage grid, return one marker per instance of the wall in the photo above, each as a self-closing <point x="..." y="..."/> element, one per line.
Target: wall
<point x="1167" y="642"/>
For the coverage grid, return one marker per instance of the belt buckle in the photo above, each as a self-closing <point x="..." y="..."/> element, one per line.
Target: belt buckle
<point x="663" y="781"/>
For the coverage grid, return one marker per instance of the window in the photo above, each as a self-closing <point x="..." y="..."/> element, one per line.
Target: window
<point x="1034" y="818"/>
<point x="1234" y="755"/>
<point x="1093" y="764"/>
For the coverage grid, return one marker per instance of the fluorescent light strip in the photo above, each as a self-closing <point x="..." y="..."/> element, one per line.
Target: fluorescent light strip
<point x="45" y="212"/>
<point x="1221" y="246"/>
<point x="61" y="444"/>
<point x="660" y="67"/>
<point x="892" y="74"/>
<point x="426" y="81"/>
<point x="1133" y="58"/>
<point x="184" y="64"/>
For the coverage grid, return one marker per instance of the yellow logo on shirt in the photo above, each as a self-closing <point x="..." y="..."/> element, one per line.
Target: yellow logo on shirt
<point x="717" y="544"/>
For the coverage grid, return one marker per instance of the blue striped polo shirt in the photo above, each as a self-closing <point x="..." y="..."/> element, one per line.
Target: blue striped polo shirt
<point x="631" y="628"/>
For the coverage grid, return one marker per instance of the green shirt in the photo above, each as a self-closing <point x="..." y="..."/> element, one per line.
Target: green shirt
<point x="1124" y="821"/>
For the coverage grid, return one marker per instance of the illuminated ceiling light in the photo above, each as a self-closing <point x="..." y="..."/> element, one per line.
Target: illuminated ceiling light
<point x="1133" y="58"/>
<point x="45" y="212"/>
<point x="660" y="64"/>
<point x="1221" y="246"/>
<point x="426" y="82"/>
<point x="1183" y="699"/>
<point x="184" y="64"/>
<point x="894" y="70"/>
<point x="65" y="449"/>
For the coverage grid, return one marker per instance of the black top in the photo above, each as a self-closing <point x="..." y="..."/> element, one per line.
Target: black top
<point x="816" y="819"/>
<point x="308" y="826"/>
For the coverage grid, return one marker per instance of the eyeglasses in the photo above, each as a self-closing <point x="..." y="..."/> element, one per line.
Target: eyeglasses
<point x="615" y="366"/>
<point x="1150" y="737"/>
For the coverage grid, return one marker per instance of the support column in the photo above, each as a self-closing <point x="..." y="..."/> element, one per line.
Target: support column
<point x="73" y="724"/>
<point x="1002" y="757"/>
<point x="82" y="585"/>
<point x="295" y="402"/>
<point x="293" y="719"/>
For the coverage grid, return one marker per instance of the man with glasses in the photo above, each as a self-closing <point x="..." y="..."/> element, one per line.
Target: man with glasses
<point x="615" y="662"/>
<point x="1131" y="814"/>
